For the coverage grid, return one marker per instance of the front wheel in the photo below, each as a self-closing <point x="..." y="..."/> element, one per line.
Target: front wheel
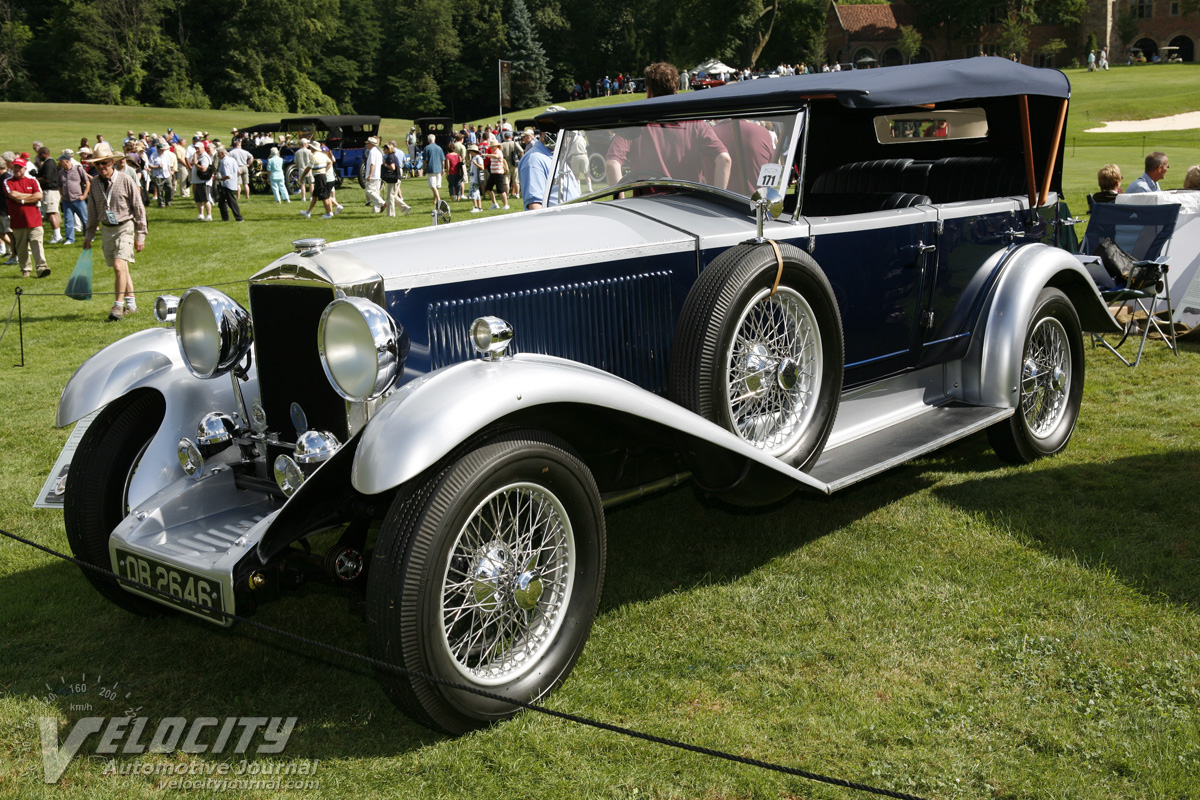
<point x="1051" y="384"/>
<point x="97" y="492"/>
<point x="291" y="179"/>
<point x="487" y="574"/>
<point x="596" y="166"/>
<point x="260" y="179"/>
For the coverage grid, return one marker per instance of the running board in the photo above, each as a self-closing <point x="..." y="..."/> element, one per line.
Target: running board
<point x="869" y="455"/>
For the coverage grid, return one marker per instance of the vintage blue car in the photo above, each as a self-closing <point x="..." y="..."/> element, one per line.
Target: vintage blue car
<point x="345" y="136"/>
<point x="778" y="285"/>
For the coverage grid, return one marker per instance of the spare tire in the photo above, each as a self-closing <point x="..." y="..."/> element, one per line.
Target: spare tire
<point x="758" y="350"/>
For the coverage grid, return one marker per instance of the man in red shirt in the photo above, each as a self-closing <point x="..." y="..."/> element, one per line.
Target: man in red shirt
<point x="689" y="151"/>
<point x="23" y="194"/>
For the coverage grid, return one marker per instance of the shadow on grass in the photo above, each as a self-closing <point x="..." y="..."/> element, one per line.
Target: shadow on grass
<point x="684" y="539"/>
<point x="57" y="626"/>
<point x="1136" y="517"/>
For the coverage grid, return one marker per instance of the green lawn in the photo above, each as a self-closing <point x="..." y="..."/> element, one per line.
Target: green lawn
<point x="953" y="628"/>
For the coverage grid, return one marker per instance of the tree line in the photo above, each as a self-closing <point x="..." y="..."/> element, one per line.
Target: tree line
<point x="409" y="58"/>
<point x="398" y="58"/>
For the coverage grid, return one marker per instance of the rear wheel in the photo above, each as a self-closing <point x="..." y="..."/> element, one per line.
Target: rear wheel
<point x="1051" y="384"/>
<point x="97" y="492"/>
<point x="487" y="574"/>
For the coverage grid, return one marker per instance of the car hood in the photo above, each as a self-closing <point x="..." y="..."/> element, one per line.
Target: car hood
<point x="533" y="241"/>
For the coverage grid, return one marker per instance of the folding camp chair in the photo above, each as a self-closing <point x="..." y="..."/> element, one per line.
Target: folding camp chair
<point x="1144" y="232"/>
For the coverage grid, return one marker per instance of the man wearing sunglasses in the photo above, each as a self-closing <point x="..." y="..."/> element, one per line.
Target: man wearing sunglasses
<point x="115" y="208"/>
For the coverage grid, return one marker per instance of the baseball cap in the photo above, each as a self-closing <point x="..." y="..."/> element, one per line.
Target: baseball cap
<point x="20" y="162"/>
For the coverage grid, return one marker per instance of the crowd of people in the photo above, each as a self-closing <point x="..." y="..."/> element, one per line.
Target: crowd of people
<point x="99" y="188"/>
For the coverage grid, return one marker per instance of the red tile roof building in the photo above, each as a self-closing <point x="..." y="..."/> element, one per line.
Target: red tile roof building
<point x="867" y="35"/>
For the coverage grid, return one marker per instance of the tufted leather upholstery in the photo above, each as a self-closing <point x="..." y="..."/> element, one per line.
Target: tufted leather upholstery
<point x="974" y="178"/>
<point x="835" y="205"/>
<point x="883" y="175"/>
<point x="866" y="185"/>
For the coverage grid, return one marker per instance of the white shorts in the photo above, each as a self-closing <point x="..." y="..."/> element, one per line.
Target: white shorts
<point x="50" y="201"/>
<point x="435" y="180"/>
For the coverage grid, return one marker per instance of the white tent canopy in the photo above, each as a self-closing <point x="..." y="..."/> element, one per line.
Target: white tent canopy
<point x="714" y="66"/>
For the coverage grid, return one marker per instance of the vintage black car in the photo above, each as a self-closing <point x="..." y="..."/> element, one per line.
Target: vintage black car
<point x="776" y="285"/>
<point x="345" y="135"/>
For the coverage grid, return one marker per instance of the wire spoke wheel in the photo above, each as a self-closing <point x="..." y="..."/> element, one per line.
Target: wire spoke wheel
<point x="1050" y="378"/>
<point x="486" y="575"/>
<point x="773" y="369"/>
<point x="758" y="350"/>
<point x="1046" y="377"/>
<point x="506" y="583"/>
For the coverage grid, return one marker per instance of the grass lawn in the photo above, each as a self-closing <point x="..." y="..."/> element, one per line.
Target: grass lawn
<point x="953" y="628"/>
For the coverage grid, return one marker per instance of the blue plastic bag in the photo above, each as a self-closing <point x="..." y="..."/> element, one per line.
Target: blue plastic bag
<point x="79" y="285"/>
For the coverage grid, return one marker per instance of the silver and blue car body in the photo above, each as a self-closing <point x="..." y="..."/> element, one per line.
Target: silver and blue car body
<point x="952" y="306"/>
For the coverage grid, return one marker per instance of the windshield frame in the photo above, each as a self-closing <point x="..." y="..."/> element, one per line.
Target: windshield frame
<point x="792" y="118"/>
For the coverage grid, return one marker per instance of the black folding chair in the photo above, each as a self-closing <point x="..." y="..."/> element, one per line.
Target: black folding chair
<point x="1144" y="232"/>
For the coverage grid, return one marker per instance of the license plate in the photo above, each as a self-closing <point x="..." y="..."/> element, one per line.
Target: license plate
<point x="187" y="590"/>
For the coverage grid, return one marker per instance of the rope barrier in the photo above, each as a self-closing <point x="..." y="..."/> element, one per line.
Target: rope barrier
<point x="139" y="291"/>
<point x="535" y="707"/>
<point x="11" y="311"/>
<point x="21" y="293"/>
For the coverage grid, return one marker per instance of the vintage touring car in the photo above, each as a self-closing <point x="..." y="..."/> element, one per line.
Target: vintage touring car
<point x="780" y="285"/>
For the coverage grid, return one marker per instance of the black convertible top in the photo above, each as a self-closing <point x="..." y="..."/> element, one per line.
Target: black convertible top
<point x="332" y="123"/>
<point x="262" y="127"/>
<point x="889" y="87"/>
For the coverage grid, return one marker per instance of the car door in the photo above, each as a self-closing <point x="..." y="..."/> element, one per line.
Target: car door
<point x="971" y="237"/>
<point x="878" y="264"/>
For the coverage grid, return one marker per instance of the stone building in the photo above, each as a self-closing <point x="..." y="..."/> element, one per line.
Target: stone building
<point x="867" y="35"/>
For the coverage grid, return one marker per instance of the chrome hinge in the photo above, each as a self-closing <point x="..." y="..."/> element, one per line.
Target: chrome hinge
<point x="812" y="243"/>
<point x="941" y="226"/>
<point x="927" y="319"/>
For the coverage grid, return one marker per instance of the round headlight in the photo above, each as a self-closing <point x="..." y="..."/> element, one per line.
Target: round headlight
<point x="213" y="331"/>
<point x="491" y="337"/>
<point x="362" y="349"/>
<point x="165" y="307"/>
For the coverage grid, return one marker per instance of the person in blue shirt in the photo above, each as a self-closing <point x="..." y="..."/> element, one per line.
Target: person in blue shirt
<point x="534" y="172"/>
<point x="275" y="176"/>
<point x="435" y="160"/>
<point x="1157" y="165"/>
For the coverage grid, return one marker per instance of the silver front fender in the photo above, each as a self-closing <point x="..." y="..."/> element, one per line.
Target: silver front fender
<point x="992" y="367"/>
<point x="430" y="416"/>
<point x="150" y="359"/>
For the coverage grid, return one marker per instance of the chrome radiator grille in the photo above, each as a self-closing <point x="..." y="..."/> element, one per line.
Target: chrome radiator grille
<point x="620" y="325"/>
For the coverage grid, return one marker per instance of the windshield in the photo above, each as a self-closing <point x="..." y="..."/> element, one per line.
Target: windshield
<point x="737" y="154"/>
